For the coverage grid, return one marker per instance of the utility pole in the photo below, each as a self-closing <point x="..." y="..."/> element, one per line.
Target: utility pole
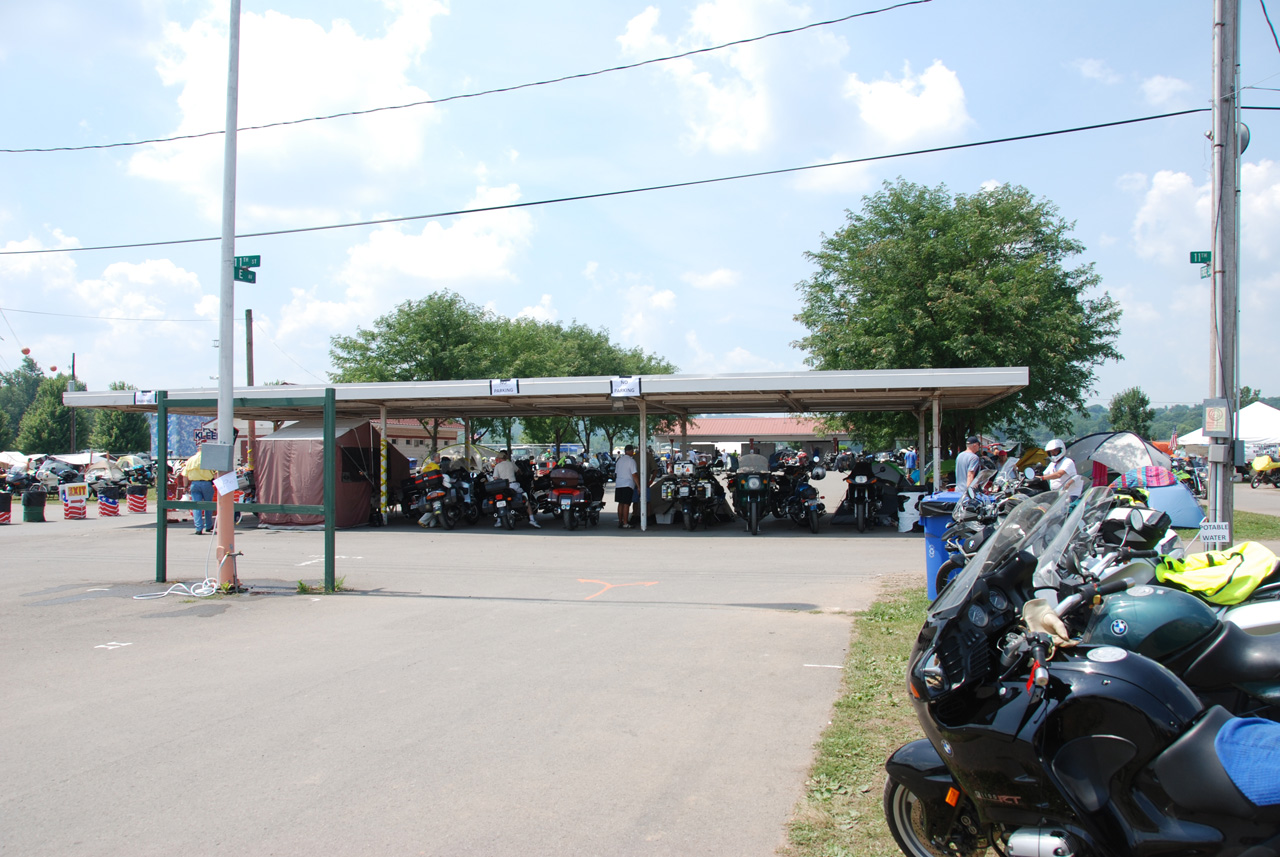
<point x="226" y="311"/>
<point x="248" y="362"/>
<point x="1226" y="250"/>
<point x="72" y="387"/>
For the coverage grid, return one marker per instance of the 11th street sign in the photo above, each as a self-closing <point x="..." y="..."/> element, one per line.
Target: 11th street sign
<point x="242" y="273"/>
<point x="248" y="261"/>
<point x="1201" y="257"/>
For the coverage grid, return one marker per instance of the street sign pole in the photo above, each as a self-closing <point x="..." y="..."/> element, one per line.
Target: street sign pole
<point x="226" y="310"/>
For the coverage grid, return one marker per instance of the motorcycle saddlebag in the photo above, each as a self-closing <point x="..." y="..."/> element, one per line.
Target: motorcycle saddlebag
<point x="1116" y="530"/>
<point x="496" y="486"/>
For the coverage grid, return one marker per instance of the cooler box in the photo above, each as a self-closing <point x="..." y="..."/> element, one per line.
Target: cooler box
<point x="935" y="515"/>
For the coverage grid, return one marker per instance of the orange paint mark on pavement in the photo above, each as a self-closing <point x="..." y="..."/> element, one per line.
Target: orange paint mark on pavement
<point x="608" y="586"/>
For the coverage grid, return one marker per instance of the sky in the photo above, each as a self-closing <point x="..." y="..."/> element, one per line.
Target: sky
<point x="704" y="276"/>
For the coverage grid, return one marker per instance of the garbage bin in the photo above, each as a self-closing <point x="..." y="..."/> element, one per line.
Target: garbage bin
<point x="33" y="506"/>
<point x="137" y="498"/>
<point x="935" y="515"/>
<point x="6" y="506"/>
<point x="908" y="510"/>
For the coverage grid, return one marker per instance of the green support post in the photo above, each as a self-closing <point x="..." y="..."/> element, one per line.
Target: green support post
<point x="162" y="485"/>
<point x="330" y="486"/>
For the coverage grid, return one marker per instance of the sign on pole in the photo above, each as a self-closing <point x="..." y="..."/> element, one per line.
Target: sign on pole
<point x="244" y="275"/>
<point x="1215" y="534"/>
<point x="248" y="261"/>
<point x="1201" y="257"/>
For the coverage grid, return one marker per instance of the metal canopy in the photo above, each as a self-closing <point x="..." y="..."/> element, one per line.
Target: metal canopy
<point x="755" y="392"/>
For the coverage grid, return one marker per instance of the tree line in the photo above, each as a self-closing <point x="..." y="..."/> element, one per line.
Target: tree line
<point x="34" y="420"/>
<point x="443" y="337"/>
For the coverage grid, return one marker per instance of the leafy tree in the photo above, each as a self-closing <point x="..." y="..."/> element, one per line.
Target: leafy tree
<point x="18" y="389"/>
<point x="1131" y="411"/>
<point x="6" y="433"/>
<point x="46" y="426"/>
<point x="120" y="432"/>
<point x="921" y="279"/>
<point x="1248" y="395"/>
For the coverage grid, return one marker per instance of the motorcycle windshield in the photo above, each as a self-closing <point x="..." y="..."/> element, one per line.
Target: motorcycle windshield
<point x="1073" y="537"/>
<point x="1019" y="528"/>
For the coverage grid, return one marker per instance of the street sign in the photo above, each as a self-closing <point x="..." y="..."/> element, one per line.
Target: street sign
<point x="1201" y="257"/>
<point x="245" y="275"/>
<point x="248" y="261"/>
<point x="1204" y="272"/>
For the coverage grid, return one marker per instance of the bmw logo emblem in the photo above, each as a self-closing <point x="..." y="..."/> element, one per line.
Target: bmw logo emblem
<point x="946" y="747"/>
<point x="1119" y="627"/>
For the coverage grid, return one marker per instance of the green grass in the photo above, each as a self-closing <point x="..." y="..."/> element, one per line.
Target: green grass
<point x="841" y="812"/>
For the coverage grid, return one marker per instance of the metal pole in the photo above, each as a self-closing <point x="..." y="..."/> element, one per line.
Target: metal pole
<point x="643" y="451"/>
<point x="330" y="486"/>
<point x="1226" y="248"/>
<point x="72" y="386"/>
<point x="248" y="360"/>
<point x="921" y="446"/>
<point x="226" y="312"/>
<point x="937" y="443"/>
<point x="162" y="485"/>
<point x="382" y="460"/>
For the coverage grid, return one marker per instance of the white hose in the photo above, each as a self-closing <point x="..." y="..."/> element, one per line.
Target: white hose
<point x="203" y="589"/>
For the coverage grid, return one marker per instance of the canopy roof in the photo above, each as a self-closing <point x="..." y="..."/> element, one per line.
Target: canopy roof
<point x="1258" y="424"/>
<point x="755" y="392"/>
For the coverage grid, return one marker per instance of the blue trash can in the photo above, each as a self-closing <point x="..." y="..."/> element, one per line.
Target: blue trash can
<point x="935" y="515"/>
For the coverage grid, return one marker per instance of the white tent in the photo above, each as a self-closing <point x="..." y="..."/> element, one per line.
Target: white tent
<point x="1259" y="426"/>
<point x="9" y="459"/>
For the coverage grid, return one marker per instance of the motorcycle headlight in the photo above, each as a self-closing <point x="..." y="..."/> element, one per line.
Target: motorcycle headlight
<point x="860" y="480"/>
<point x="754" y="483"/>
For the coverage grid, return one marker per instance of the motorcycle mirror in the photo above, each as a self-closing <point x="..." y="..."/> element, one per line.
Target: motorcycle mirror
<point x="1136" y="520"/>
<point x="1030" y="473"/>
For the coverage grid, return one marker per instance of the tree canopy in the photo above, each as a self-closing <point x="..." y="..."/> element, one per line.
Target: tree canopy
<point x="922" y="279"/>
<point x="120" y="432"/>
<point x="443" y="337"/>
<point x="1130" y="410"/>
<point x="46" y="425"/>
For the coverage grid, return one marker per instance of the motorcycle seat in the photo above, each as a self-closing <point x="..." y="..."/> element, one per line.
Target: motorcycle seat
<point x="1236" y="657"/>
<point x="1194" y="775"/>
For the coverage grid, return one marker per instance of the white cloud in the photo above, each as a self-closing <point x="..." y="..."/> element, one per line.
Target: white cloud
<point x="931" y="104"/>
<point x="1095" y="69"/>
<point x="721" y="278"/>
<point x="736" y="359"/>
<point x="1161" y="91"/>
<point x="541" y="311"/>
<point x="291" y="68"/>
<point x="1132" y="182"/>
<point x="1260" y="208"/>
<point x="725" y="96"/>
<point x="992" y="184"/>
<point x="1173" y="219"/>
<point x="646" y="311"/>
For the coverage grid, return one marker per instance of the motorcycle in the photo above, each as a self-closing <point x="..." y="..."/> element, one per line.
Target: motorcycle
<point x="458" y="503"/>
<point x="18" y="479"/>
<point x="1033" y="748"/>
<point x="577" y="500"/>
<point x="506" y="505"/>
<point x="53" y="473"/>
<point x="862" y="498"/>
<point x="796" y="499"/>
<point x="751" y="490"/>
<point x="695" y="490"/>
<point x="1266" y="471"/>
<point x="104" y="474"/>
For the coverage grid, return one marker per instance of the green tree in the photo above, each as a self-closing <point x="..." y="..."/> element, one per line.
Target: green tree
<point x="921" y="279"/>
<point x="120" y="432"/>
<point x="46" y="426"/>
<point x="1248" y="395"/>
<point x="18" y="390"/>
<point x="6" y="432"/>
<point x="1131" y="411"/>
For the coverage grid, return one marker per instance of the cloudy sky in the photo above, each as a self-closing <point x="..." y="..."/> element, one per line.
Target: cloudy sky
<point x="704" y="275"/>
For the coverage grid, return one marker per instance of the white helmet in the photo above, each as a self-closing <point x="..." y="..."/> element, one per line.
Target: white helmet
<point x="1055" y="448"/>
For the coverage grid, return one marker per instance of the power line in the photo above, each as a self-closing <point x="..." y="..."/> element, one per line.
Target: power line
<point x="514" y="88"/>
<point x="626" y="192"/>
<point x="100" y="317"/>
<point x="1269" y="24"/>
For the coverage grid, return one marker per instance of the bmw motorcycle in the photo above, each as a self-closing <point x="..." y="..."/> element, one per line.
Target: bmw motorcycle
<point x="750" y="491"/>
<point x="862" y="498"/>
<point x="1034" y="746"/>
<point x="577" y="495"/>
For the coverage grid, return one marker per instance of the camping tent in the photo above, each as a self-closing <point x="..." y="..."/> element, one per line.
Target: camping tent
<point x="1166" y="494"/>
<point x="290" y="469"/>
<point x="1259" y="426"/>
<point x="1118" y="451"/>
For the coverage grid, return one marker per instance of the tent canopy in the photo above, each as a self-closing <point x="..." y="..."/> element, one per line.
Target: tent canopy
<point x="1120" y="451"/>
<point x="1258" y="424"/>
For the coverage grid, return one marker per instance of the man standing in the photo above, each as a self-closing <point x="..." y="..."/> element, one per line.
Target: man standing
<point x="967" y="464"/>
<point x="625" y="485"/>
<point x="201" y="482"/>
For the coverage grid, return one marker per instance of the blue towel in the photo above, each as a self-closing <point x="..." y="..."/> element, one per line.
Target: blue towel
<point x="1249" y="748"/>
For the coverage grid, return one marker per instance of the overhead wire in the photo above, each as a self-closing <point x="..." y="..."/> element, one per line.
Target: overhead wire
<point x="104" y="317"/>
<point x="481" y="93"/>
<point x="624" y="192"/>
<point x="1269" y="24"/>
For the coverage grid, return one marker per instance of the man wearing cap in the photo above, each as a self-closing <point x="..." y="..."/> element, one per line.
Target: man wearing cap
<point x="625" y="484"/>
<point x="967" y="463"/>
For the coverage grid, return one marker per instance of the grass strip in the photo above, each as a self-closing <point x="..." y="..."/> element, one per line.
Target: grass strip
<point x="840" y="814"/>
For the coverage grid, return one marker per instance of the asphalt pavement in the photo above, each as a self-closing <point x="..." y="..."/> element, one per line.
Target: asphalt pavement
<point x="474" y="692"/>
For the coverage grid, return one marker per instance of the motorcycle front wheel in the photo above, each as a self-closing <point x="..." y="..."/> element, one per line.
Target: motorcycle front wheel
<point x="861" y="516"/>
<point x="753" y="522"/>
<point x="1256" y="480"/>
<point x="946" y="571"/>
<point x="906" y="816"/>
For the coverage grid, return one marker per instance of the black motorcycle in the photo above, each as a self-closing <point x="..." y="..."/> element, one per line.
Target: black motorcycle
<point x="694" y="490"/>
<point x="1035" y="749"/>
<point x="862" y="498"/>
<point x="751" y="490"/>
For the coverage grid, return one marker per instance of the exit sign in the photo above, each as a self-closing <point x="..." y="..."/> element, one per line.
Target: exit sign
<point x="1201" y="257"/>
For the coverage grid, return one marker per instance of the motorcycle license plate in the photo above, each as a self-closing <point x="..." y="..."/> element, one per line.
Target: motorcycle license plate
<point x="565" y="503"/>
<point x="684" y="490"/>
<point x="502" y="504"/>
<point x="811" y="503"/>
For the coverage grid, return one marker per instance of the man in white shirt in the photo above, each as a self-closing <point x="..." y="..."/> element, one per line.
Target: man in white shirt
<point x="1060" y="470"/>
<point x="625" y="484"/>
<point x="506" y="469"/>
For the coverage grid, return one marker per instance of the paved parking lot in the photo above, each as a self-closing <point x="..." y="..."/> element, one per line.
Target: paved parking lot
<point x="475" y="692"/>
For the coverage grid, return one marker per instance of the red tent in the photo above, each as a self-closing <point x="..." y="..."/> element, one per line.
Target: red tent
<point x="290" y="469"/>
